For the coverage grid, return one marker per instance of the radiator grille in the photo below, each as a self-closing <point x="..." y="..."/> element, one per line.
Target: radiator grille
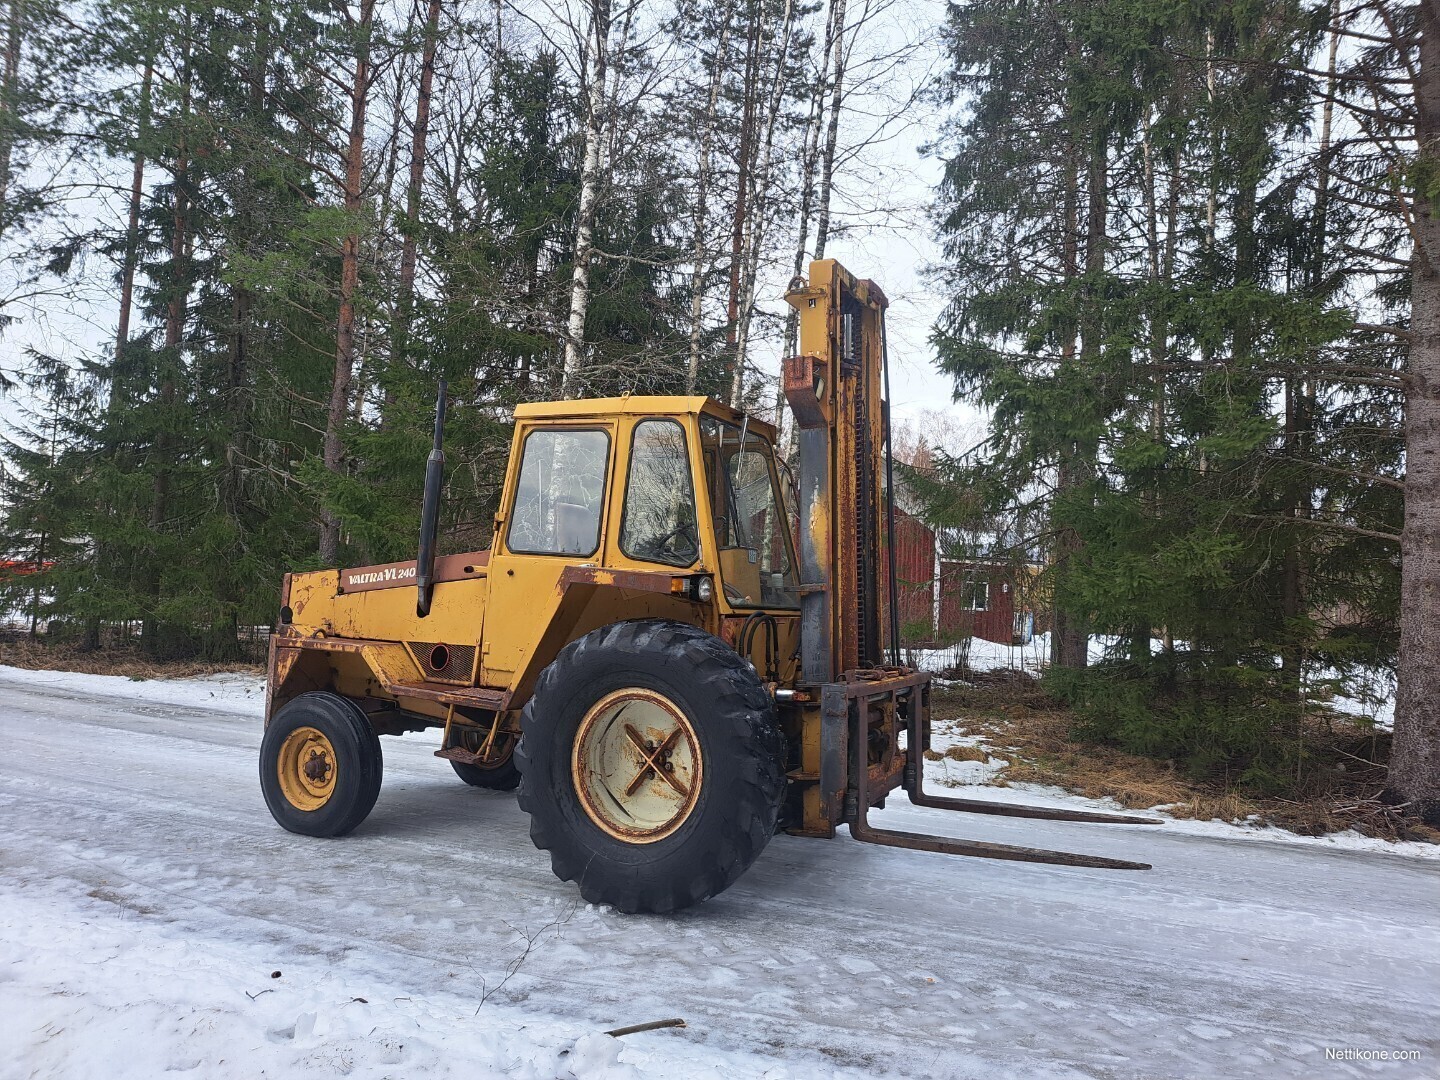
<point x="457" y="662"/>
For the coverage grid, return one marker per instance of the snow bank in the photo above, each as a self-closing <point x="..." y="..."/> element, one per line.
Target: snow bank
<point x="228" y="692"/>
<point x="948" y="777"/>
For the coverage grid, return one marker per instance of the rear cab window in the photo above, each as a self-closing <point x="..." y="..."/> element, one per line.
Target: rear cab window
<point x="560" y="493"/>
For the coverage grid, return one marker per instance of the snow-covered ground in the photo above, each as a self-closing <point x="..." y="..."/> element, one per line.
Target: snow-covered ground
<point x="1374" y="690"/>
<point x="146" y="898"/>
<point x="946" y="775"/>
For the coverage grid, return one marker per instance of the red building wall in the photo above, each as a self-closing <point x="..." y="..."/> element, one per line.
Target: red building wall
<point x="914" y="579"/>
<point x="916" y="583"/>
<point x="957" y="618"/>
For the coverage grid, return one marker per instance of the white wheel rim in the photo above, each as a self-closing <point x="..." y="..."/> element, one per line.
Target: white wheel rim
<point x="637" y="765"/>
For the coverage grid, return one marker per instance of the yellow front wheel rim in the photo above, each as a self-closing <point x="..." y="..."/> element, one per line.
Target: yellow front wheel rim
<point x="307" y="768"/>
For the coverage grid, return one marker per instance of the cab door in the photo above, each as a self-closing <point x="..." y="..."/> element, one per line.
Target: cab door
<point x="553" y="516"/>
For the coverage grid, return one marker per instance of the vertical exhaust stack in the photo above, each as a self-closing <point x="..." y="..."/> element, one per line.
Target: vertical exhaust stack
<point x="430" y="511"/>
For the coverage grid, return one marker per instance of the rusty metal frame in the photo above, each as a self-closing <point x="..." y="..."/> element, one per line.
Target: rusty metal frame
<point x="376" y="654"/>
<point x="459" y="752"/>
<point x="860" y="692"/>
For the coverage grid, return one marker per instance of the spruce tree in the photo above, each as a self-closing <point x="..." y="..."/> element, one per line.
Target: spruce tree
<point x="1148" y="300"/>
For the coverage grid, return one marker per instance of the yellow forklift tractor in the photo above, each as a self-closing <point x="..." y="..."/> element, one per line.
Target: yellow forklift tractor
<point x="673" y="648"/>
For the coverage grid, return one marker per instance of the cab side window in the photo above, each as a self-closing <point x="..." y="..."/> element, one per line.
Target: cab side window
<point x="560" y="493"/>
<point x="659" y="523"/>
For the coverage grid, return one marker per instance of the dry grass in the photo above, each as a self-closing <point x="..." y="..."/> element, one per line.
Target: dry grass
<point x="1014" y="715"/>
<point x="23" y="652"/>
<point x="958" y="753"/>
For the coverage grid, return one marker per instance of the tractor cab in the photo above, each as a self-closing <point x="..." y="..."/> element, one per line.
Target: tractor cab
<point x="646" y="482"/>
<point x="685" y="496"/>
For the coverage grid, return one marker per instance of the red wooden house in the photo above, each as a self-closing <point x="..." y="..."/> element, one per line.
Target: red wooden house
<point x="986" y="599"/>
<point x="914" y="578"/>
<point x="942" y="600"/>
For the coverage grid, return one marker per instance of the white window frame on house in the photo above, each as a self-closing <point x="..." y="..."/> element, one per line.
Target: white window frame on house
<point x="974" y="592"/>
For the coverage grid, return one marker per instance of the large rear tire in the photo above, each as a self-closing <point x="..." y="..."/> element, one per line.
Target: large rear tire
<point x="320" y="765"/>
<point x="651" y="765"/>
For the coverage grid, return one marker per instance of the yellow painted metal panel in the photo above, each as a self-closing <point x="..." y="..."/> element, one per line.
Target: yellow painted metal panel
<point x="524" y="589"/>
<point x="609" y="408"/>
<point x="654" y="405"/>
<point x="455" y="616"/>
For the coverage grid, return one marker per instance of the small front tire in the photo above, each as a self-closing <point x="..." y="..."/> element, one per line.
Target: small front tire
<point x="320" y="765"/>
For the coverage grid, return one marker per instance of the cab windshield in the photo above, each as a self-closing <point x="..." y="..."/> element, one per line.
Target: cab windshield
<point x="752" y="528"/>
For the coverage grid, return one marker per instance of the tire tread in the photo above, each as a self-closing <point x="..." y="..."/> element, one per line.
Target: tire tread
<point x="747" y="732"/>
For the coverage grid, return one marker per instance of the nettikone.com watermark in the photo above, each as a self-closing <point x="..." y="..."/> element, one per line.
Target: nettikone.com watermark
<point x="1351" y="1053"/>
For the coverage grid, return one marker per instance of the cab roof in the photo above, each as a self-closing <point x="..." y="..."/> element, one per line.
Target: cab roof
<point x="628" y="405"/>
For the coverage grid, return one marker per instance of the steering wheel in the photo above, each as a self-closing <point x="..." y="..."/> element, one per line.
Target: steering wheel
<point x="659" y="544"/>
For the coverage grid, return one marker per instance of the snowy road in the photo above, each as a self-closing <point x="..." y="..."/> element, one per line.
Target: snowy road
<point x="136" y="828"/>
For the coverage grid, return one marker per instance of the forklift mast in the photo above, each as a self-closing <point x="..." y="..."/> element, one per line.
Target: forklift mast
<point x="834" y="387"/>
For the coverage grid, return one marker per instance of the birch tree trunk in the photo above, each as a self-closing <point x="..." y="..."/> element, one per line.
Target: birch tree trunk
<point x="700" y="247"/>
<point x="743" y="160"/>
<point x="595" y="133"/>
<point x="1213" y="181"/>
<point x="334" y="448"/>
<point x="759" y="204"/>
<point x="611" y="129"/>
<point x="809" y="161"/>
<point x="832" y="130"/>
<point x="1415" y="754"/>
<point x="809" y="153"/>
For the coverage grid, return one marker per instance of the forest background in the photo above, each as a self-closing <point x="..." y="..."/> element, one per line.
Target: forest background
<point x="1183" y="277"/>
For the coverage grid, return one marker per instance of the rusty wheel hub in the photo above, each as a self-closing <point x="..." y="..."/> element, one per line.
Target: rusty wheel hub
<point x="318" y="766"/>
<point x="637" y="765"/>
